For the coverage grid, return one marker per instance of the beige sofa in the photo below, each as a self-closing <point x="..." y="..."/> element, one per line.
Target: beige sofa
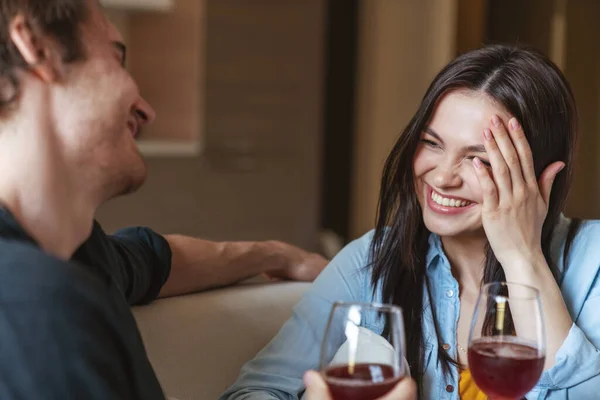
<point x="198" y="343"/>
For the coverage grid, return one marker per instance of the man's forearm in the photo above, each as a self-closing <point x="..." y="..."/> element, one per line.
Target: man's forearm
<point x="201" y="264"/>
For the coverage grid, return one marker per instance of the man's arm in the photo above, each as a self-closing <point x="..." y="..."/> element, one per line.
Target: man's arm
<point x="198" y="264"/>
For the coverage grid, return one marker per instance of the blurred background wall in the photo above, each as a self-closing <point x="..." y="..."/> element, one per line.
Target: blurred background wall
<point x="248" y="76"/>
<point x="286" y="109"/>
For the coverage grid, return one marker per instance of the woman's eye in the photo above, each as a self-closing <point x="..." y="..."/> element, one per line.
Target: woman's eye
<point x="484" y="162"/>
<point x="429" y="142"/>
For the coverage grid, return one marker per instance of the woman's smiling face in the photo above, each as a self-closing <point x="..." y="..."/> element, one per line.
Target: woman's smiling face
<point x="445" y="181"/>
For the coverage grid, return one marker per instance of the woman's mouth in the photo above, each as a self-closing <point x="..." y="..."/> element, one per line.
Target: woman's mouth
<point x="442" y="204"/>
<point x="449" y="201"/>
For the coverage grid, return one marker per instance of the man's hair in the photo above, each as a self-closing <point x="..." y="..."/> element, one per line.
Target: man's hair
<point x="59" y="20"/>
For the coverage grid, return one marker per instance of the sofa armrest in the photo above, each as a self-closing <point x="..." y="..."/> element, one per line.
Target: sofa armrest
<point x="198" y="343"/>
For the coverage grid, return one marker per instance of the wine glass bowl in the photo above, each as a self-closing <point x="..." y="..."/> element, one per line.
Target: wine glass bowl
<point x="356" y="362"/>
<point x="506" y="352"/>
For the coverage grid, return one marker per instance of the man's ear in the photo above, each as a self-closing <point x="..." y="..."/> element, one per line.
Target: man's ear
<point x="34" y="49"/>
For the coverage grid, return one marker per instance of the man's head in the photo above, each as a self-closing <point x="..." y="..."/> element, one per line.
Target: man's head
<point x="62" y="65"/>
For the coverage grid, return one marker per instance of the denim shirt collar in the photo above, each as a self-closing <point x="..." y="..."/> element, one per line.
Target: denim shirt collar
<point x="435" y="251"/>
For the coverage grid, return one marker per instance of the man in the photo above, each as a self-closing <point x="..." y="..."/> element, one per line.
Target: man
<point x="69" y="113"/>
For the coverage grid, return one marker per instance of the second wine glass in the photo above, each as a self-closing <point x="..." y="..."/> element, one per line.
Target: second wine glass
<point x="507" y="342"/>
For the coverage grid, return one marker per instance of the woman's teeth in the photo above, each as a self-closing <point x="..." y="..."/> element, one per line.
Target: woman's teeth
<point x="443" y="201"/>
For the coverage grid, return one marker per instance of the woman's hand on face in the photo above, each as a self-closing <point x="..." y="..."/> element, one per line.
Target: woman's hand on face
<point x="316" y="389"/>
<point x="515" y="203"/>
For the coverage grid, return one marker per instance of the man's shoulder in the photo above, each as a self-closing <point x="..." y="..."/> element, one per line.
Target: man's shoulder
<point x="55" y="313"/>
<point x="28" y="273"/>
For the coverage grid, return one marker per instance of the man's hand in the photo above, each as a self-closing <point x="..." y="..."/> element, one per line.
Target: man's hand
<point x="294" y="263"/>
<point x="316" y="389"/>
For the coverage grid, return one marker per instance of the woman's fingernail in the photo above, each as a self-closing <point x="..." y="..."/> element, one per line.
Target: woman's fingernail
<point x="477" y="162"/>
<point x="514" y="124"/>
<point x="495" y="120"/>
<point x="487" y="134"/>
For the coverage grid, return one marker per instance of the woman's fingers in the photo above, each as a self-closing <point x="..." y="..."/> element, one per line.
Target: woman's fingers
<point x="488" y="186"/>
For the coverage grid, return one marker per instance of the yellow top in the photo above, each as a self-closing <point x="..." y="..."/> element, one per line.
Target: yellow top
<point x="467" y="389"/>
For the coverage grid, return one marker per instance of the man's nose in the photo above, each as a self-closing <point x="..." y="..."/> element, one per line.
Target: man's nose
<point x="144" y="112"/>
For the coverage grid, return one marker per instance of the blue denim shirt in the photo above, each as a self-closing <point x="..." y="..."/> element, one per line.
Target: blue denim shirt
<point x="276" y="372"/>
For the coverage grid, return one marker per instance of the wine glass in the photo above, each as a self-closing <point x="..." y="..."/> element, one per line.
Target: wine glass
<point x="357" y="363"/>
<point x="507" y="341"/>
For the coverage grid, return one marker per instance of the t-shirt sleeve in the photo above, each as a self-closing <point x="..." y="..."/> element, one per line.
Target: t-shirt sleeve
<point x="145" y="259"/>
<point x="58" y="335"/>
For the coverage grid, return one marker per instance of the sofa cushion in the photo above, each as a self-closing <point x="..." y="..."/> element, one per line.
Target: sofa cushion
<point x="198" y="343"/>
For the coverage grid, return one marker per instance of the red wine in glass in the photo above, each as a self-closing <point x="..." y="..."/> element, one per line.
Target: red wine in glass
<point x="356" y="362"/>
<point x="363" y="382"/>
<point x="507" y="342"/>
<point x="504" y="369"/>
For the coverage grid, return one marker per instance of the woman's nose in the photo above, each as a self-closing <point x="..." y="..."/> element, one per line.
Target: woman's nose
<point x="446" y="176"/>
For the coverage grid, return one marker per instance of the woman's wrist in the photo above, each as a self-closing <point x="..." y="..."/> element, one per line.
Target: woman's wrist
<point x="527" y="269"/>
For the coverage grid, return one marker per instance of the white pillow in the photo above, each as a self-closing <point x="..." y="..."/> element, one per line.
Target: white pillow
<point x="372" y="348"/>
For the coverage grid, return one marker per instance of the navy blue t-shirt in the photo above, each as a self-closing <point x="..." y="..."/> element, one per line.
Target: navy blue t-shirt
<point x="66" y="328"/>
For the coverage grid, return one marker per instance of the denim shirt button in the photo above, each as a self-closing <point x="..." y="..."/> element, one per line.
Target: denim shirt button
<point x="449" y="292"/>
<point x="449" y="388"/>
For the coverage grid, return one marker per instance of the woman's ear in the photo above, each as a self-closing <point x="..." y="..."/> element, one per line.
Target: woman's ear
<point x="36" y="50"/>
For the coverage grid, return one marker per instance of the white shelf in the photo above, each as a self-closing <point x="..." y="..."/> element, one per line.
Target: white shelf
<point x="164" y="148"/>
<point x="139" y="5"/>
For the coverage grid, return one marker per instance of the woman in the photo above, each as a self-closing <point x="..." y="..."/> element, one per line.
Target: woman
<point x="472" y="192"/>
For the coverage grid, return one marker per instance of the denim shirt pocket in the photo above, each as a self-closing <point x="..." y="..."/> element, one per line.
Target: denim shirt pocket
<point x="429" y="375"/>
<point x="429" y="355"/>
<point x="429" y="337"/>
